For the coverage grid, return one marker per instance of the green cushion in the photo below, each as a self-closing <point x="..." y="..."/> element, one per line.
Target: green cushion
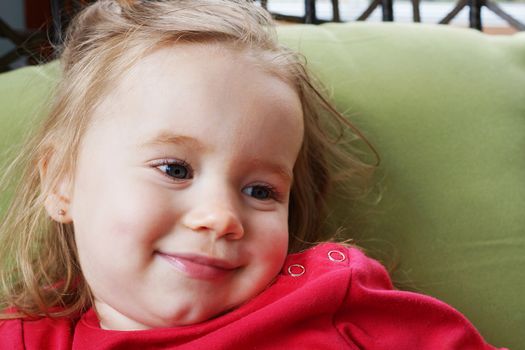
<point x="446" y="109"/>
<point x="24" y="94"/>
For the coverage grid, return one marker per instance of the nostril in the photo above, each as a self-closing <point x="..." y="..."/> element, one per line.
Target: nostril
<point x="219" y="221"/>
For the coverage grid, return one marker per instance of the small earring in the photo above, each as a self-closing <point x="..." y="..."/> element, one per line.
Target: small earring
<point x="61" y="212"/>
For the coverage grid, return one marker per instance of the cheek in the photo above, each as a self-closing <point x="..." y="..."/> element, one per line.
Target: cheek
<point x="143" y="213"/>
<point x="120" y="216"/>
<point x="116" y="234"/>
<point x="269" y="238"/>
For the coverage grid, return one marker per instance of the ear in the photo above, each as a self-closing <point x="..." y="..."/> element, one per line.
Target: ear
<point x="58" y="194"/>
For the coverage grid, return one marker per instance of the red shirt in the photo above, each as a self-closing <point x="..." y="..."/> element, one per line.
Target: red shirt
<point x="328" y="297"/>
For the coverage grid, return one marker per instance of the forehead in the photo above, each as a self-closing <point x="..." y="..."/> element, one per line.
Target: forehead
<point x="203" y="65"/>
<point x="197" y="87"/>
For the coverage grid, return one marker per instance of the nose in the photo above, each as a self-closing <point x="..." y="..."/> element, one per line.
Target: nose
<point x="218" y="217"/>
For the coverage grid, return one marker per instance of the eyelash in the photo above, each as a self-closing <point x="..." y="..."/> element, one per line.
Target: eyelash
<point x="167" y="162"/>
<point x="273" y="192"/>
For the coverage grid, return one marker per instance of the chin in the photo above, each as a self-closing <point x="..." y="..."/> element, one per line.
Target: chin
<point x="187" y="317"/>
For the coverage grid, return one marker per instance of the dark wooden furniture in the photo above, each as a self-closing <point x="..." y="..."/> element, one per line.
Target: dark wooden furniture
<point x="39" y="43"/>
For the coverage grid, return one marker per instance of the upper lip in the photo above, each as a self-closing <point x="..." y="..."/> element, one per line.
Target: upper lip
<point x="202" y="260"/>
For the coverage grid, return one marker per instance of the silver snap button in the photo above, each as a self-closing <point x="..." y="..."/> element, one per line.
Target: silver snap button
<point x="296" y="270"/>
<point x="336" y="256"/>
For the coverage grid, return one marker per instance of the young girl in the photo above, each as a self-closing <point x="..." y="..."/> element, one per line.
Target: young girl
<point x="168" y="197"/>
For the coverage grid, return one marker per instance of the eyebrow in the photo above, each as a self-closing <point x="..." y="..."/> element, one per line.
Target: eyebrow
<point x="168" y="138"/>
<point x="273" y="167"/>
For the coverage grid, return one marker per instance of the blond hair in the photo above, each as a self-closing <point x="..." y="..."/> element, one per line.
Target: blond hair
<point x="41" y="275"/>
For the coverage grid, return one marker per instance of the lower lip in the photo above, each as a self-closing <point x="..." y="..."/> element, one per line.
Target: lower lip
<point x="195" y="270"/>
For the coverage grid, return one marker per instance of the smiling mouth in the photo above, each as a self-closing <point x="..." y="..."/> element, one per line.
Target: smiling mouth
<point x="199" y="266"/>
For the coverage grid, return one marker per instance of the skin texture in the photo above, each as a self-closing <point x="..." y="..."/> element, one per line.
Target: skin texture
<point x="238" y="130"/>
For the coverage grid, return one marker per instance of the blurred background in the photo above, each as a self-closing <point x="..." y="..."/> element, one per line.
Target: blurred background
<point x="28" y="28"/>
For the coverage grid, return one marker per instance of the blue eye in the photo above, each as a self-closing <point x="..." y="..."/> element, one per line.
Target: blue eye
<point x="261" y="192"/>
<point x="179" y="170"/>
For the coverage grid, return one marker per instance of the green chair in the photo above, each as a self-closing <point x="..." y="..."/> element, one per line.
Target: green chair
<point x="445" y="107"/>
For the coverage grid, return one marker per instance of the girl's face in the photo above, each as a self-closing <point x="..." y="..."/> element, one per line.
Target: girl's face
<point x="180" y="200"/>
